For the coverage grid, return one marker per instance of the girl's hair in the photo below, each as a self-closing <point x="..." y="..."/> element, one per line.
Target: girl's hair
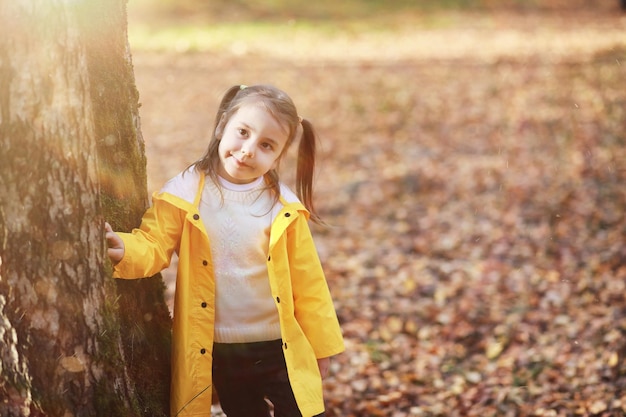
<point x="282" y="108"/>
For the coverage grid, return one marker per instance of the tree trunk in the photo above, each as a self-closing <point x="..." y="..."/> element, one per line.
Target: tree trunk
<point x="73" y="341"/>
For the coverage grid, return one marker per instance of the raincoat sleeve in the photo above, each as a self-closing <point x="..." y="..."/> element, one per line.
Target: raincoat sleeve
<point x="314" y="309"/>
<point x="149" y="248"/>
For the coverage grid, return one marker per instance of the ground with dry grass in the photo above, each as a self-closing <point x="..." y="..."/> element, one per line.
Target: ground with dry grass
<point x="472" y="172"/>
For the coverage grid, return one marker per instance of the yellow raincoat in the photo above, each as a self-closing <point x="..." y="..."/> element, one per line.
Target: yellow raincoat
<point x="308" y="321"/>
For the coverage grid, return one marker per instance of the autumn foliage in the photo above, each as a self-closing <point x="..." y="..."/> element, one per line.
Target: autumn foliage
<point x="475" y="190"/>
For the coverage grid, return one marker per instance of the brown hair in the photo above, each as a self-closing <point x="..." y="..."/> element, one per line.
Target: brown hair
<point x="282" y="108"/>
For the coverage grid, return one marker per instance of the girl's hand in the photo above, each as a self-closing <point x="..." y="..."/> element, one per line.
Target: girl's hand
<point x="115" y="243"/>
<point x="324" y="365"/>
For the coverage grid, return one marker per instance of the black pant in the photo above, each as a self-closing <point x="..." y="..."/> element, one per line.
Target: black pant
<point x="245" y="374"/>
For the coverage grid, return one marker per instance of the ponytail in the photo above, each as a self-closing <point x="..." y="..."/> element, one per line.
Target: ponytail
<point x="306" y="168"/>
<point x="226" y="101"/>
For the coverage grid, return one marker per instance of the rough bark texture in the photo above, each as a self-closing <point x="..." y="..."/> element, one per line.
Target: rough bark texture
<point x="73" y="342"/>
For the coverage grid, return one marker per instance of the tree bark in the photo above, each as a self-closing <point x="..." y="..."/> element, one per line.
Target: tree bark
<point x="73" y="341"/>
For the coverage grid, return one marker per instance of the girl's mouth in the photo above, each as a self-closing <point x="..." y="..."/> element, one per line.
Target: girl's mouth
<point x="238" y="162"/>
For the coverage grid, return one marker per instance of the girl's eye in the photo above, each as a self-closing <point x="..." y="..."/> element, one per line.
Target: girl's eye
<point x="243" y="132"/>
<point x="267" y="146"/>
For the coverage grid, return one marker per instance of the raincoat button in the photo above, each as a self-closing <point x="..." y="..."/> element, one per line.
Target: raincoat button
<point x="205" y="263"/>
<point x="202" y="351"/>
<point x="269" y="258"/>
<point x="278" y="299"/>
<point x="203" y="304"/>
<point x="287" y="214"/>
<point x="285" y="345"/>
<point x="196" y="216"/>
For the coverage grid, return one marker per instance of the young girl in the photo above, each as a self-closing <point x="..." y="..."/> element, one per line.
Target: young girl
<point x="252" y="313"/>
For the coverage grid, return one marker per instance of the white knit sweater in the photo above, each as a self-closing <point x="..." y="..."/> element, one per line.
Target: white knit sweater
<point x="238" y="223"/>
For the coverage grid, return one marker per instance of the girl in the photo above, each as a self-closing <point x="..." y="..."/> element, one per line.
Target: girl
<point x="252" y="313"/>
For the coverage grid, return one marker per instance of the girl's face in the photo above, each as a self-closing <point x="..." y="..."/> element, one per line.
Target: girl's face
<point x="251" y="144"/>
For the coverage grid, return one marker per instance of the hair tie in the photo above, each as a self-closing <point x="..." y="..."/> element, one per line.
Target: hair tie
<point x="300" y="119"/>
<point x="243" y="87"/>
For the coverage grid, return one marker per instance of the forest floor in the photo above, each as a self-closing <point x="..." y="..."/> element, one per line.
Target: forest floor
<point x="472" y="171"/>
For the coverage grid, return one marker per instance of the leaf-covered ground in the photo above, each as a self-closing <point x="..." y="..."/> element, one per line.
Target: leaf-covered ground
<point x="474" y="178"/>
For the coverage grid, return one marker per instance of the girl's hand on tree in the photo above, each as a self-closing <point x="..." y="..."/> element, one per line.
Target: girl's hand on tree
<point x="324" y="365"/>
<point x="115" y="243"/>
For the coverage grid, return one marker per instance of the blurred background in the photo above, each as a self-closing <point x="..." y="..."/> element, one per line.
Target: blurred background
<point x="472" y="171"/>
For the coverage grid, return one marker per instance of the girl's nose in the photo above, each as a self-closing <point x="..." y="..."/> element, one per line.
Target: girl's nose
<point x="246" y="153"/>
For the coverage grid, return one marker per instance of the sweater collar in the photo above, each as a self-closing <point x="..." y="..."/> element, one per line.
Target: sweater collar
<point x="241" y="187"/>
